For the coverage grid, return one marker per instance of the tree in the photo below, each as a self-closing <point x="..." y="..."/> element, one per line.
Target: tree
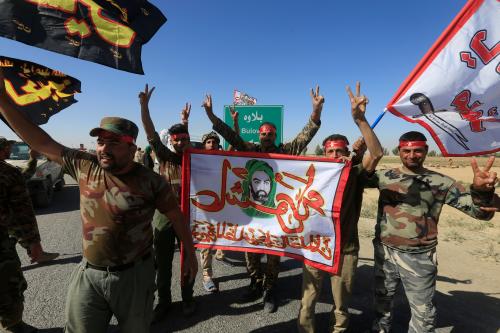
<point x="395" y="151"/>
<point x="432" y="153"/>
<point x="318" y="151"/>
<point x="386" y="151"/>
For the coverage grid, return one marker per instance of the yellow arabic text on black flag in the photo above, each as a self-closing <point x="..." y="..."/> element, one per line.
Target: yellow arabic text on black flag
<point x="39" y="92"/>
<point x="109" y="32"/>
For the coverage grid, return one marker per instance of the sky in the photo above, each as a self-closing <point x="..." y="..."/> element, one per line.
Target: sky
<point x="274" y="50"/>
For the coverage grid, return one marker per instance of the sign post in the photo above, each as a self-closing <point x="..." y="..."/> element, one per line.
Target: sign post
<point x="251" y="117"/>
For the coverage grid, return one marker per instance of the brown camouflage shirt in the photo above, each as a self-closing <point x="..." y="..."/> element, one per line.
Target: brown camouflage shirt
<point x="170" y="169"/>
<point x="116" y="210"/>
<point x="17" y="217"/>
<point x="410" y="204"/>
<point x="293" y="147"/>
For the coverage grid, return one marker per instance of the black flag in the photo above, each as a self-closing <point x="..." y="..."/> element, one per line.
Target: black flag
<point x="39" y="92"/>
<point x="109" y="32"/>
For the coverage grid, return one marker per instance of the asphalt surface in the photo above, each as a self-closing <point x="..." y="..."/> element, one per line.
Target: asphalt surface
<point x="60" y="228"/>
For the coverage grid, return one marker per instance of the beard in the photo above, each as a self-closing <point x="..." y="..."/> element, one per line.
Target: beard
<point x="108" y="162"/>
<point x="260" y="196"/>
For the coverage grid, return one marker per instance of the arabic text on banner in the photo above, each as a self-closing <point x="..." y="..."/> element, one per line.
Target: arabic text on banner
<point x="454" y="92"/>
<point x="107" y="32"/>
<point x="39" y="92"/>
<point x="265" y="203"/>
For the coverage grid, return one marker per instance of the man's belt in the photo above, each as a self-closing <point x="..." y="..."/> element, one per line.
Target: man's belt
<point x="118" y="268"/>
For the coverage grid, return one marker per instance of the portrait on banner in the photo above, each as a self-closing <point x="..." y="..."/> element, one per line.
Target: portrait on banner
<point x="266" y="203"/>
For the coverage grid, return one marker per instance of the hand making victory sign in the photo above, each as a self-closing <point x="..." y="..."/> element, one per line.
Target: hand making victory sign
<point x="185" y="113"/>
<point x="358" y="103"/>
<point x="484" y="180"/>
<point x="317" y="101"/>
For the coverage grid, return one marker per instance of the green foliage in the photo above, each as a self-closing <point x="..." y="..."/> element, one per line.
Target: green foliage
<point x="432" y="153"/>
<point x="318" y="151"/>
<point x="395" y="151"/>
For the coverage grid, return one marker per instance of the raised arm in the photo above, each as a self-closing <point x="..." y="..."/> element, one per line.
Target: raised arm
<point x="479" y="196"/>
<point x="223" y="129"/>
<point x="32" y="134"/>
<point x="147" y="123"/>
<point x="186" y="111"/>
<point x="317" y="102"/>
<point x="305" y="136"/>
<point x="358" y="110"/>
<point x="161" y="152"/>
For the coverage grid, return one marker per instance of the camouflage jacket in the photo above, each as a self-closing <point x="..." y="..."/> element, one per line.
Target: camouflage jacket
<point x="17" y="217"/>
<point x="116" y="210"/>
<point x="410" y="204"/>
<point x="294" y="147"/>
<point x="170" y="169"/>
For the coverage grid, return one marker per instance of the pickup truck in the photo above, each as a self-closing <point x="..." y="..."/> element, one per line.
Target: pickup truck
<point x="47" y="177"/>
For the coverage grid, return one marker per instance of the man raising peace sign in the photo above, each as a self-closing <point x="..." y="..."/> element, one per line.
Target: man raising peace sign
<point x="410" y="202"/>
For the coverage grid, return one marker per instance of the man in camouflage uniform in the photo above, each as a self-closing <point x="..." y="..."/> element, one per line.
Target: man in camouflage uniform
<point x="17" y="224"/>
<point x="170" y="160"/>
<point x="118" y="198"/>
<point x="336" y="146"/>
<point x="410" y="202"/>
<point x="267" y="138"/>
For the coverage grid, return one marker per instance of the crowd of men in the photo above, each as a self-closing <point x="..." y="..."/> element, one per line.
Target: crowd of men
<point x="131" y="220"/>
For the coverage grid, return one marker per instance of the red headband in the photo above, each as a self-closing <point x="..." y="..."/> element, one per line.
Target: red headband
<point x="412" y="143"/>
<point x="122" y="138"/>
<point x="335" y="144"/>
<point x="179" y="136"/>
<point x="267" y="129"/>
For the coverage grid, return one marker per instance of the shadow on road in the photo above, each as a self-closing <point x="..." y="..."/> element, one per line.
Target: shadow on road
<point x="66" y="200"/>
<point x="59" y="261"/>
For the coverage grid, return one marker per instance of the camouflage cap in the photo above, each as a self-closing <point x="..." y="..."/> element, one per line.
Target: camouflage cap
<point x="116" y="125"/>
<point x="211" y="135"/>
<point x="4" y="142"/>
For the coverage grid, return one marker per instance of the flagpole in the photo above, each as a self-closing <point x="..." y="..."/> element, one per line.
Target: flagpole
<point x="378" y="118"/>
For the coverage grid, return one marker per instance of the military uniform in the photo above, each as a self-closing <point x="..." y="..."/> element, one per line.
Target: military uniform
<point x="406" y="238"/>
<point x="164" y="234"/>
<point x="116" y="275"/>
<point x="343" y="281"/>
<point x="294" y="147"/>
<point x="17" y="224"/>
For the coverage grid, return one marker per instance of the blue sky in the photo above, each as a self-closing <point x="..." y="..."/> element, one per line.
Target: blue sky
<point x="274" y="50"/>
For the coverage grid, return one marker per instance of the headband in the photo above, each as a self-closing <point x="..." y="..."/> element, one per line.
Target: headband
<point x="122" y="138"/>
<point x="267" y="129"/>
<point x="179" y="136"/>
<point x="335" y="144"/>
<point x="412" y="143"/>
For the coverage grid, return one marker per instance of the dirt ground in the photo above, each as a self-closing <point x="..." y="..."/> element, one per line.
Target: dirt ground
<point x="468" y="250"/>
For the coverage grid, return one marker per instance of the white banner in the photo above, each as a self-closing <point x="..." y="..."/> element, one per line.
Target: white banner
<point x="265" y="203"/>
<point x="454" y="91"/>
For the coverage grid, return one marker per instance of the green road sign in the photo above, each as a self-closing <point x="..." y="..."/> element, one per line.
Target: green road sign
<point x="250" y="117"/>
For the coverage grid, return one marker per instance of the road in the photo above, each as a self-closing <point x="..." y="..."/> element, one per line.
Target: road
<point x="60" y="228"/>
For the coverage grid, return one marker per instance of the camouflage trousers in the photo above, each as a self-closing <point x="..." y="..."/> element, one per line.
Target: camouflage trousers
<point x="417" y="272"/>
<point x="341" y="284"/>
<point x="206" y="257"/>
<point x="254" y="268"/>
<point x="164" y="249"/>
<point x="12" y="283"/>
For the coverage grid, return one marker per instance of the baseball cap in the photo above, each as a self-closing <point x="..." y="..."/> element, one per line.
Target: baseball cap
<point x="117" y="125"/>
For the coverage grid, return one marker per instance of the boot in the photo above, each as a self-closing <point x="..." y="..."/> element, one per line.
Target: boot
<point x="270" y="301"/>
<point x="253" y="292"/>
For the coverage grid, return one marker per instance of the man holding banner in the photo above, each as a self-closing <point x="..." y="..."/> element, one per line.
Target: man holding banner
<point x="267" y="137"/>
<point x="118" y="198"/>
<point x="336" y="146"/>
<point x="410" y="202"/>
<point x="170" y="159"/>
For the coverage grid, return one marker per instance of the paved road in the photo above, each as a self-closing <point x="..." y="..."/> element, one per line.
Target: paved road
<point x="61" y="232"/>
